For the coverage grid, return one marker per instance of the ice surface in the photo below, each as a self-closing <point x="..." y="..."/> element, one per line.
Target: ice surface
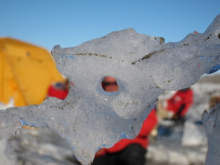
<point x="211" y="120"/>
<point x="40" y="147"/>
<point x="4" y="154"/>
<point x="90" y="118"/>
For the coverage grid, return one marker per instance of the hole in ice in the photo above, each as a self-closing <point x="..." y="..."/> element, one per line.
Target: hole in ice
<point x="109" y="84"/>
<point x="219" y="36"/>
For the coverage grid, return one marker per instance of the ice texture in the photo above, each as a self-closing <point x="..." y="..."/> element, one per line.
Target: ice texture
<point x="211" y="122"/>
<point x="40" y="147"/>
<point x="90" y="118"/>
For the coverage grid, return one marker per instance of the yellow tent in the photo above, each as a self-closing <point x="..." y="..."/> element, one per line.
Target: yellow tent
<point x="26" y="72"/>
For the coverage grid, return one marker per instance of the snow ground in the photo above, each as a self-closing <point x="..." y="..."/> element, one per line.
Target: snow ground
<point x="171" y="152"/>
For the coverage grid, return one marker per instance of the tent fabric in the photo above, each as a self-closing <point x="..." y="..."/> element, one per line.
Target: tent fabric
<point x="26" y="72"/>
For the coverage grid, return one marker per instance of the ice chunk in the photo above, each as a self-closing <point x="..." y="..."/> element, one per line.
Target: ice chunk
<point x="90" y="118"/>
<point x="40" y="147"/>
<point x="212" y="126"/>
<point x="7" y="154"/>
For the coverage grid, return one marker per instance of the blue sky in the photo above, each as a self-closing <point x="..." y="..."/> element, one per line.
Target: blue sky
<point x="71" y="22"/>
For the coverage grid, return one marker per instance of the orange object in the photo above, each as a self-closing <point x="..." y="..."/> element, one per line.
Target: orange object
<point x="26" y="72"/>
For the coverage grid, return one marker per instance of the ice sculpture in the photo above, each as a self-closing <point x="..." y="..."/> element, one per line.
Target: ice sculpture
<point x="212" y="126"/>
<point x="91" y="118"/>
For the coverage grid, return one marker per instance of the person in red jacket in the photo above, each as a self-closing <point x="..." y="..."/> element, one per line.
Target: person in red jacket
<point x="59" y="90"/>
<point x="173" y="111"/>
<point x="179" y="104"/>
<point x="128" y="151"/>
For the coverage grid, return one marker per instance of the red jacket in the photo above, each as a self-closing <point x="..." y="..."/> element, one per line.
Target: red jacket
<point x="60" y="94"/>
<point x="178" y="99"/>
<point x="149" y="123"/>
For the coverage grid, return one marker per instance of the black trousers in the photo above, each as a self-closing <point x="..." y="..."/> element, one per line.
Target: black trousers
<point x="134" y="154"/>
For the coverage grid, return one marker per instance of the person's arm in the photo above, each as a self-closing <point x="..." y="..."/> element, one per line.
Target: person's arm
<point x="180" y="110"/>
